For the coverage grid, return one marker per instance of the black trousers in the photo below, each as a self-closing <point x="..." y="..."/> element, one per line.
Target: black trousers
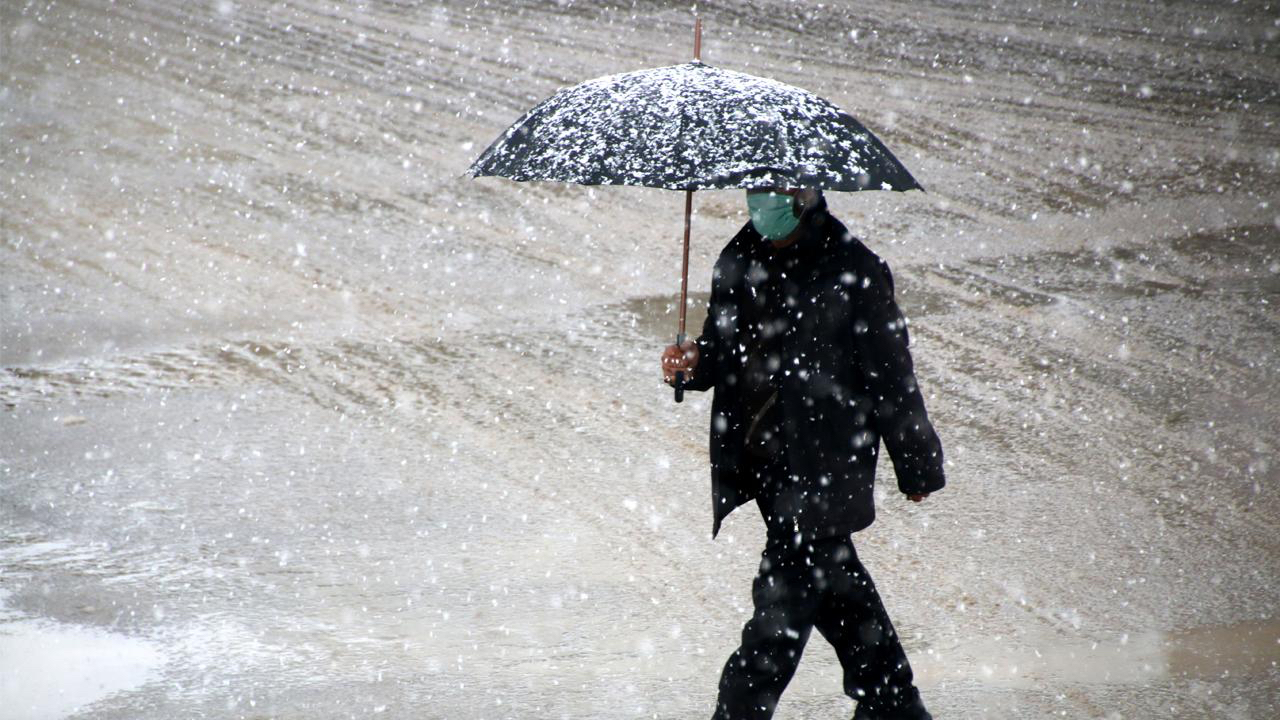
<point x="819" y="584"/>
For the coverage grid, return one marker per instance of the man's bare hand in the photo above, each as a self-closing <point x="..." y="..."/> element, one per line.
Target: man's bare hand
<point x="917" y="498"/>
<point x="679" y="357"/>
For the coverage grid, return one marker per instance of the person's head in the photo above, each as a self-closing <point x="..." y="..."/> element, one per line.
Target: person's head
<point x="775" y="212"/>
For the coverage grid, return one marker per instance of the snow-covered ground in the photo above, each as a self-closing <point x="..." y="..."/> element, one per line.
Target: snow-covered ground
<point x="296" y="421"/>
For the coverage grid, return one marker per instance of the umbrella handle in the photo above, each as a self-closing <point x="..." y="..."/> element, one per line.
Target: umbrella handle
<point x="684" y="278"/>
<point x="679" y="373"/>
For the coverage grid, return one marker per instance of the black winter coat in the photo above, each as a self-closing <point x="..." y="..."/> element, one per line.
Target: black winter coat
<point x="847" y="380"/>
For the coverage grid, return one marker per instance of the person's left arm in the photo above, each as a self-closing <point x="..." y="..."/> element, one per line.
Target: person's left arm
<point x="880" y="334"/>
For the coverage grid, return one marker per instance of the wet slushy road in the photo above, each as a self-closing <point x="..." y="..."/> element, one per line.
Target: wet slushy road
<point x="298" y="422"/>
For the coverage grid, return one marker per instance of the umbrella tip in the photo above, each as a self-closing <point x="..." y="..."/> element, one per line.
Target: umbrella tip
<point x="697" y="38"/>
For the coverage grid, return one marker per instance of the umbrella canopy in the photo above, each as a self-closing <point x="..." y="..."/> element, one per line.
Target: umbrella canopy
<point x="692" y="127"/>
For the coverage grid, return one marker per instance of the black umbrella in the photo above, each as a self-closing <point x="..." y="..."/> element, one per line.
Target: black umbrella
<point x="692" y="127"/>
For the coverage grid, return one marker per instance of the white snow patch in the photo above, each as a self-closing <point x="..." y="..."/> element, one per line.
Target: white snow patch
<point x="64" y="668"/>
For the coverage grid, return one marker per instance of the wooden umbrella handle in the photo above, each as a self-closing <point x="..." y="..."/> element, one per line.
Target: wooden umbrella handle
<point x="688" y="213"/>
<point x="684" y="287"/>
<point x="679" y="373"/>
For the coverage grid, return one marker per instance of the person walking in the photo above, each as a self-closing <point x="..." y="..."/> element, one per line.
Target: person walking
<point x="807" y="354"/>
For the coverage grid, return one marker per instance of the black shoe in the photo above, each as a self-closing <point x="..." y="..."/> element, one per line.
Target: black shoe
<point x="911" y="711"/>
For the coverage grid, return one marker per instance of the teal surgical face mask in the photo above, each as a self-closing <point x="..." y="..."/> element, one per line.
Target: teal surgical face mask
<point x="771" y="214"/>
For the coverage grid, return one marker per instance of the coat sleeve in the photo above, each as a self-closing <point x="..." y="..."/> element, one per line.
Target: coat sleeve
<point x="880" y="335"/>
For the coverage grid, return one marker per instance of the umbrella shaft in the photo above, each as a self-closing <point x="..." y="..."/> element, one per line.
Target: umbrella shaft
<point x="684" y="267"/>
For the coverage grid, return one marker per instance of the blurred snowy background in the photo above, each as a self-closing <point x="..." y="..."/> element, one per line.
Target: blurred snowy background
<point x="298" y="422"/>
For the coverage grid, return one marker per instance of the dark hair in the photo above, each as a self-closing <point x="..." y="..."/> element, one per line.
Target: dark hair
<point x="798" y="207"/>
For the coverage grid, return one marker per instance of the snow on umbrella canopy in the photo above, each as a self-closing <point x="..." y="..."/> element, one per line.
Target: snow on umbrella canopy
<point x="692" y="127"/>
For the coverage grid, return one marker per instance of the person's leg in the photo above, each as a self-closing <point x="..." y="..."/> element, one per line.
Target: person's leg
<point x="852" y="618"/>
<point x="772" y="640"/>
